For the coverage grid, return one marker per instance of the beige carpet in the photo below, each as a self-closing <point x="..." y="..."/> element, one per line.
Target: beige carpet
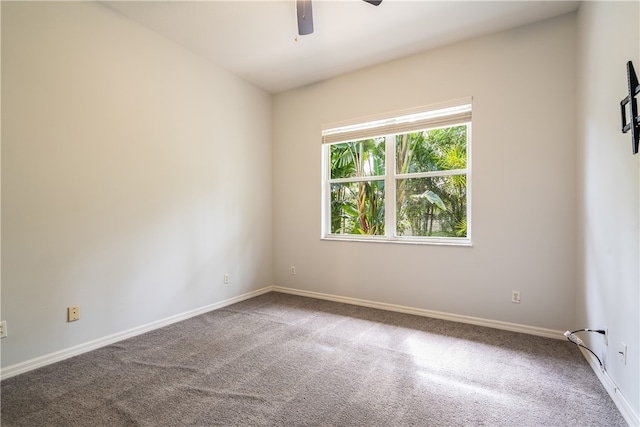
<point x="283" y="360"/>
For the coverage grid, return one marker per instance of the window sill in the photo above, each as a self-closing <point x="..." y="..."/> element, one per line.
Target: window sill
<point x="400" y="240"/>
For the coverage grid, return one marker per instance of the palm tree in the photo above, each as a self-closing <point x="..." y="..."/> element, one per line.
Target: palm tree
<point x="358" y="208"/>
<point x="427" y="206"/>
<point x="439" y="200"/>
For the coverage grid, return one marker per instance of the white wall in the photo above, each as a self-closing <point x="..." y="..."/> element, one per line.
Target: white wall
<point x="523" y="210"/>
<point x="134" y="175"/>
<point x="608" y="189"/>
<point x="131" y="180"/>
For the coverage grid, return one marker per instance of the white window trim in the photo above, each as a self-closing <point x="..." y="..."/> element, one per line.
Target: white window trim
<point x="390" y="179"/>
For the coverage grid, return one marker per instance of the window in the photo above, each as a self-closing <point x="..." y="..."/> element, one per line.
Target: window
<point x="404" y="178"/>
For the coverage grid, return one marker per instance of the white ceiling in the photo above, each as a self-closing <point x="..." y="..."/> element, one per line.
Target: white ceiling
<point x="258" y="40"/>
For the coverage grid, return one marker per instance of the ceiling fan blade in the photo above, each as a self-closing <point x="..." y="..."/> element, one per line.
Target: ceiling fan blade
<point x="374" y="2"/>
<point x="305" y="17"/>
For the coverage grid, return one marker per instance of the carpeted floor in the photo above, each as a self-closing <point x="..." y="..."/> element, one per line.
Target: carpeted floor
<point x="283" y="360"/>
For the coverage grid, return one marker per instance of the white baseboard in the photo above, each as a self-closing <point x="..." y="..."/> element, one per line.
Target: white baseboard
<point x="621" y="402"/>
<point x="616" y="395"/>
<point x="58" y="356"/>
<point x="623" y="405"/>
<point x="514" y="327"/>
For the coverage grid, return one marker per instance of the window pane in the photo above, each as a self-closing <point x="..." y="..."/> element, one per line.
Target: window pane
<point x="435" y="206"/>
<point x="356" y="159"/>
<point x="432" y="150"/>
<point x="357" y="208"/>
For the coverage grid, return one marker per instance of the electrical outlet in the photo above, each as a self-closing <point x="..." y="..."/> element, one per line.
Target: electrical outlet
<point x="226" y="278"/>
<point x="73" y="313"/>
<point x="293" y="270"/>
<point x="3" y="329"/>
<point x="515" y="297"/>
<point x="622" y="352"/>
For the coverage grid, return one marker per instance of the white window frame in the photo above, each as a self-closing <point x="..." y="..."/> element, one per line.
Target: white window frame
<point x="454" y="113"/>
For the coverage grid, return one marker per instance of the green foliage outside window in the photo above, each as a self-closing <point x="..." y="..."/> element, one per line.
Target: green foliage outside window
<point x="432" y="205"/>
<point x="435" y="205"/>
<point x="358" y="207"/>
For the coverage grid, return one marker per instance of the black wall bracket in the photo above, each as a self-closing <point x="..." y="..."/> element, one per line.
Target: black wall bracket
<point x="633" y="122"/>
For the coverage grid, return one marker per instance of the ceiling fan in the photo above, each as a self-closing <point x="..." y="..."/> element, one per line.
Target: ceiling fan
<point x="305" y="15"/>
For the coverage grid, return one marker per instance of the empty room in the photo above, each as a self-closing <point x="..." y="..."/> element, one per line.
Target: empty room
<point x="316" y="212"/>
